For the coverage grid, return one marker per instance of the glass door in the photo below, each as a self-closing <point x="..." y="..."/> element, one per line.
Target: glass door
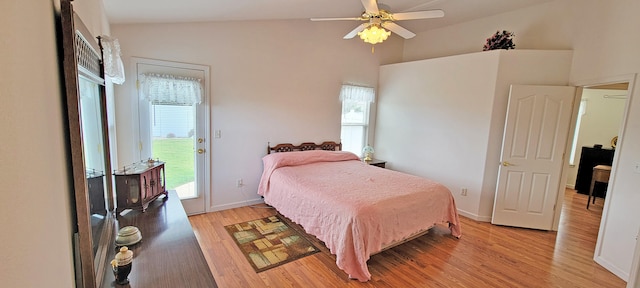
<point x="174" y="128"/>
<point x="173" y="141"/>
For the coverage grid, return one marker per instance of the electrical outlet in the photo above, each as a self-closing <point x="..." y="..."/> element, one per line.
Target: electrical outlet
<point x="239" y="183"/>
<point x="463" y="192"/>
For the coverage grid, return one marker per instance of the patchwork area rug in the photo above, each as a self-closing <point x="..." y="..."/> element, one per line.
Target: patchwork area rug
<point x="269" y="242"/>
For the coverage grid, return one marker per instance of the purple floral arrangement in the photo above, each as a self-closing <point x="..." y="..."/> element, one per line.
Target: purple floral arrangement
<point x="500" y="40"/>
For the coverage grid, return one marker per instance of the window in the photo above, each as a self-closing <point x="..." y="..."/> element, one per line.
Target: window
<point x="574" y="146"/>
<point x="355" y="117"/>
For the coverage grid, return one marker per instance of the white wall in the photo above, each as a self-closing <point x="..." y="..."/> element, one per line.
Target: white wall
<point x="603" y="117"/>
<point x="271" y="81"/>
<point x="36" y="198"/>
<point x="424" y="130"/>
<point x="35" y="201"/>
<point x="543" y="26"/>
<point x="605" y="44"/>
<point x="92" y="14"/>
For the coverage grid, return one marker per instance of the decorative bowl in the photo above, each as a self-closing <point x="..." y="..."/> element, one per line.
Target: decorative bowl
<point x="128" y="235"/>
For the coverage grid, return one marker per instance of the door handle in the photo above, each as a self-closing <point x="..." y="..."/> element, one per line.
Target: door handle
<point x="201" y="151"/>
<point x="505" y="163"/>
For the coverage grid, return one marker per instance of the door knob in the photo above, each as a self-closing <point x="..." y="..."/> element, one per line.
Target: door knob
<point x="200" y="151"/>
<point x="505" y="163"/>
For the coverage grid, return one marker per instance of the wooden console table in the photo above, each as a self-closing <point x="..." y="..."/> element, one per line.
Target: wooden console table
<point x="139" y="185"/>
<point x="169" y="254"/>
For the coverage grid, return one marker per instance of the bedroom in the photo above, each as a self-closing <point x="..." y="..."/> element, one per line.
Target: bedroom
<point x="246" y="131"/>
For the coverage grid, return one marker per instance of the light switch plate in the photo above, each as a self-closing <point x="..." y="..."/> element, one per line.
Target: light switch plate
<point x="636" y="167"/>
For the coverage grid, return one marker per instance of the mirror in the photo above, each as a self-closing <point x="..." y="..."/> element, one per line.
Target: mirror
<point x="88" y="147"/>
<point x="93" y="148"/>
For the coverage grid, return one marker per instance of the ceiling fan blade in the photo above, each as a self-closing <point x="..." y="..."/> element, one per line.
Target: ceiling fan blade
<point x="334" y="19"/>
<point x="354" y="32"/>
<point x="371" y="6"/>
<point x="418" y="15"/>
<point x="395" y="28"/>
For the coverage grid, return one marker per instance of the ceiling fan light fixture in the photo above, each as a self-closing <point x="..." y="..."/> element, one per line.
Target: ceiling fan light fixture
<point x="374" y="34"/>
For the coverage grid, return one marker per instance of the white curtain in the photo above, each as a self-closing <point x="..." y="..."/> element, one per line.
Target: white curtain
<point x="112" y="62"/>
<point x="171" y="90"/>
<point x="357" y="93"/>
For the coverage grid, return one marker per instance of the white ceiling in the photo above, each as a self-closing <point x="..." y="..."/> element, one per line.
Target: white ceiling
<point x="168" y="11"/>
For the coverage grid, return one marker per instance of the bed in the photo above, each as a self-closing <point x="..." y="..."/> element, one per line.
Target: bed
<point x="356" y="209"/>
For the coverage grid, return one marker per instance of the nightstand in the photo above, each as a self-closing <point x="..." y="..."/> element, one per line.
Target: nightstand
<point x="377" y="162"/>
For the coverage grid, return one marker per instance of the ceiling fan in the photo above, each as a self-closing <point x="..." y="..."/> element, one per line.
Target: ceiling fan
<point x="376" y="20"/>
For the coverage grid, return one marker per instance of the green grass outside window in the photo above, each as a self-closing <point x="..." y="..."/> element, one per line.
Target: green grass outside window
<point x="178" y="155"/>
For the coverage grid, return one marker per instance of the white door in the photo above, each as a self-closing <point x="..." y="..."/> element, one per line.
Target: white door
<point x="533" y="146"/>
<point x="176" y="133"/>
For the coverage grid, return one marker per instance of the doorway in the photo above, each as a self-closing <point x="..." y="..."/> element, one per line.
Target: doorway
<point x="624" y="84"/>
<point x="597" y="125"/>
<point x="173" y="122"/>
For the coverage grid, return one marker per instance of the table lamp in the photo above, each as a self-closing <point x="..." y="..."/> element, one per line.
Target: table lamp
<point x="367" y="151"/>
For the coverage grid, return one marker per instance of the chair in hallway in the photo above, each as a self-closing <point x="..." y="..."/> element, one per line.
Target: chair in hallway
<point x="601" y="174"/>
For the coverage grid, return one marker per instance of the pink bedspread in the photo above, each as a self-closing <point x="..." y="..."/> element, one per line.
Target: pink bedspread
<point x="354" y="208"/>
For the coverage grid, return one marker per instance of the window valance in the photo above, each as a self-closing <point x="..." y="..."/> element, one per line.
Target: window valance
<point x="171" y="90"/>
<point x="357" y="93"/>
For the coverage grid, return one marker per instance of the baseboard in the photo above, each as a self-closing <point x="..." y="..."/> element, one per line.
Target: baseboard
<point x="474" y="216"/>
<point x="236" y="205"/>
<point x="624" y="275"/>
<point x="571" y="186"/>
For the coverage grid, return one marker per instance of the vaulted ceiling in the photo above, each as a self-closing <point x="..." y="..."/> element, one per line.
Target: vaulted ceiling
<point x="165" y="11"/>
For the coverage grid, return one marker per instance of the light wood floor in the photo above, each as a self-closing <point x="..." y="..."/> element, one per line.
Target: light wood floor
<point x="485" y="256"/>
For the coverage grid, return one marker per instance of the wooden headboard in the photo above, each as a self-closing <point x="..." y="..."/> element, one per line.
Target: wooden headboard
<point x="288" y="147"/>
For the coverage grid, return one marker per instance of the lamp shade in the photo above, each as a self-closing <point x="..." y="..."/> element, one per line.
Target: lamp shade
<point x="374" y="34"/>
<point x="367" y="151"/>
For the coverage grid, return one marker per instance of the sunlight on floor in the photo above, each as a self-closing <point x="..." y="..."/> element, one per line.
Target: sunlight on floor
<point x="187" y="190"/>
<point x="575" y="216"/>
